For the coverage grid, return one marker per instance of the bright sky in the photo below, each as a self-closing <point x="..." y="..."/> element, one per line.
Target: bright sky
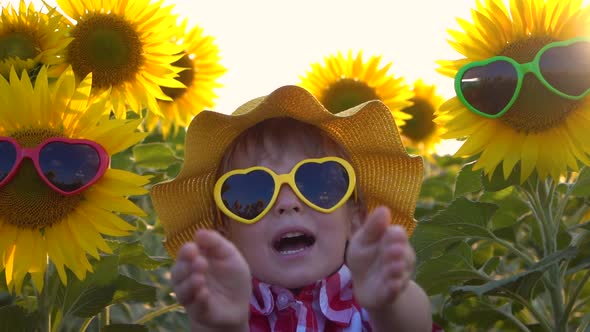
<point x="269" y="43"/>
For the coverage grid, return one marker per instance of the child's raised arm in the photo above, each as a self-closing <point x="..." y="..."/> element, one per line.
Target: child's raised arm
<point x="212" y="281"/>
<point x="381" y="262"/>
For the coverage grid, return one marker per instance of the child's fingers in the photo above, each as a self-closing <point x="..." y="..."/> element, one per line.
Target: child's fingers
<point x="374" y="226"/>
<point x="185" y="258"/>
<point x="214" y="244"/>
<point x="187" y="290"/>
<point x="187" y="252"/>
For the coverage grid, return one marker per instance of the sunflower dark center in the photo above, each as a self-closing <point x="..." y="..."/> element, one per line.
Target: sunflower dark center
<point x="421" y="125"/>
<point x="26" y="201"/>
<point x="347" y="93"/>
<point x="537" y="108"/>
<point x="186" y="77"/>
<point x="109" y="47"/>
<point x="18" y="45"/>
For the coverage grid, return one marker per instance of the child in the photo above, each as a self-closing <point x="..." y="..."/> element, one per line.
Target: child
<point x="290" y="206"/>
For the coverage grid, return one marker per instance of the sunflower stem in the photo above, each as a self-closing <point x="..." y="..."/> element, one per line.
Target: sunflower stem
<point x="575" y="294"/>
<point x="158" y="312"/>
<point x="104" y="317"/>
<point x="541" y="199"/>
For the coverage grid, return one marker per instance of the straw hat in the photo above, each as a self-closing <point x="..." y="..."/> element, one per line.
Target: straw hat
<point x="386" y="174"/>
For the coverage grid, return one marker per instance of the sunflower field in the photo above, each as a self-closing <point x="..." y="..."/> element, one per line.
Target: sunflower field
<point x="503" y="225"/>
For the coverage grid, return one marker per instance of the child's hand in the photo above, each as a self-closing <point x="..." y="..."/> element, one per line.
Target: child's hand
<point x="381" y="261"/>
<point x="212" y="280"/>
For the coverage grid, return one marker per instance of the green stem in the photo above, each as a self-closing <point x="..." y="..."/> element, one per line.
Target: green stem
<point x="528" y="304"/>
<point x="86" y="324"/>
<point x="523" y="255"/>
<point x="532" y="203"/>
<point x="158" y="312"/>
<point x="509" y="316"/>
<point x="541" y="195"/>
<point x="104" y="318"/>
<point x="572" y="300"/>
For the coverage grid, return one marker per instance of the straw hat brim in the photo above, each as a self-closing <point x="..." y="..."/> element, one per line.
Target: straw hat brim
<point x="386" y="174"/>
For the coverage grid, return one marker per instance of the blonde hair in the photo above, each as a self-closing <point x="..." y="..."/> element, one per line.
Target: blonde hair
<point x="267" y="138"/>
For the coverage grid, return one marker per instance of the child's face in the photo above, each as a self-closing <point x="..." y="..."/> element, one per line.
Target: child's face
<point x="318" y="240"/>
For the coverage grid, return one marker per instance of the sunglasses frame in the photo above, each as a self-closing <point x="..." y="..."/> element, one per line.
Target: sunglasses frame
<point x="279" y="180"/>
<point x="521" y="70"/>
<point x="33" y="154"/>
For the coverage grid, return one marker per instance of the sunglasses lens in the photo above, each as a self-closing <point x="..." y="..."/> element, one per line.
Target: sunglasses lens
<point x="567" y="68"/>
<point x="67" y="166"/>
<point x="322" y="184"/>
<point x="490" y="88"/>
<point x="7" y="158"/>
<point x="247" y="195"/>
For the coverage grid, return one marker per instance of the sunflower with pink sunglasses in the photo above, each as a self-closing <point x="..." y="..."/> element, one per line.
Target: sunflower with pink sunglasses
<point x="58" y="194"/>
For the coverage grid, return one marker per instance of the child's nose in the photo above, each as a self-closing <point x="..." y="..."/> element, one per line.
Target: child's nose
<point x="287" y="201"/>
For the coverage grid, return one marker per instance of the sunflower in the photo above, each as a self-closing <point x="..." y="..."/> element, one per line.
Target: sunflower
<point x="127" y="47"/>
<point x="541" y="131"/>
<point x="344" y="82"/>
<point x="421" y="132"/>
<point x="29" y="38"/>
<point x="201" y="69"/>
<point x="35" y="221"/>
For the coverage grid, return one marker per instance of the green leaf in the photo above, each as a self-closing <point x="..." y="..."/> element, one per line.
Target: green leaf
<point x="86" y="298"/>
<point x="491" y="265"/>
<point x="124" y="328"/>
<point x="511" y="207"/>
<point x="582" y="259"/>
<point x="522" y="283"/>
<point x="134" y="253"/>
<point x="582" y="186"/>
<point x="157" y="156"/>
<point x="563" y="238"/>
<point x="481" y="314"/>
<point x="463" y="219"/>
<point x="15" y="319"/>
<point x="438" y="188"/>
<point x="452" y="268"/>
<point x="468" y="181"/>
<point x="498" y="182"/>
<point x="130" y="290"/>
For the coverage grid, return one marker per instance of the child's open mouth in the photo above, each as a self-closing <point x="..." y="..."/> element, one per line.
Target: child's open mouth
<point x="293" y="242"/>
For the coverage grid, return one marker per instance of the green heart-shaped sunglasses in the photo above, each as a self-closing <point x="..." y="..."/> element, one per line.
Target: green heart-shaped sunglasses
<point x="490" y="87"/>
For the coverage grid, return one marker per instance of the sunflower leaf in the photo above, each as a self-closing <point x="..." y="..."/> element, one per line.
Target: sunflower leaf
<point x="437" y="188"/>
<point x="522" y="283"/>
<point x="462" y="219"/>
<point x="452" y="268"/>
<point x="134" y="253"/>
<point x="467" y="181"/>
<point x="86" y="298"/>
<point x="511" y="207"/>
<point x="157" y="156"/>
<point x="482" y="314"/>
<point x="497" y="182"/>
<point x="130" y="290"/>
<point x="582" y="186"/>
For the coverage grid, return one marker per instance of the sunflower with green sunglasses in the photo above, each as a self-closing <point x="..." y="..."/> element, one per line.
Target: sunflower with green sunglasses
<point x="490" y="87"/>
<point x="522" y="88"/>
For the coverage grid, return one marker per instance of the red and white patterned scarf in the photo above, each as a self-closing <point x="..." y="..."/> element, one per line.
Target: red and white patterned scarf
<point x="328" y="305"/>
